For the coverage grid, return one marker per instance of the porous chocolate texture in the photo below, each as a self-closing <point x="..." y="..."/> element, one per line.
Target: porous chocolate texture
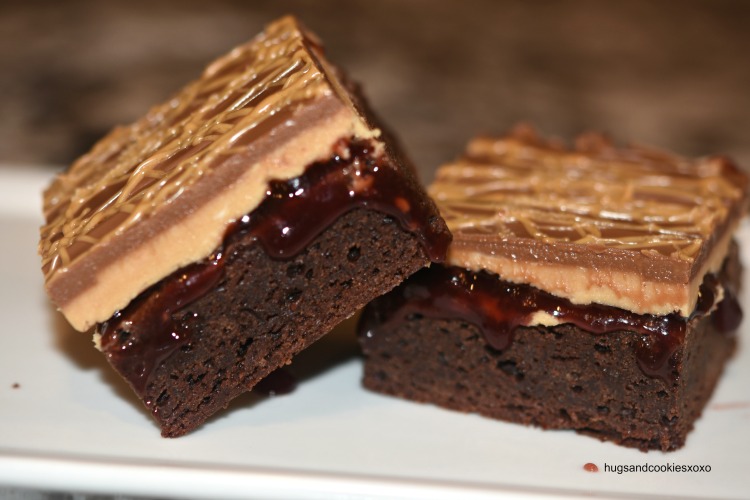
<point x="264" y="311"/>
<point x="559" y="377"/>
<point x="213" y="330"/>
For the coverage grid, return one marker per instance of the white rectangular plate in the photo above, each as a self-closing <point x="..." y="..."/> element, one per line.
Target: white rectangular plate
<point x="68" y="423"/>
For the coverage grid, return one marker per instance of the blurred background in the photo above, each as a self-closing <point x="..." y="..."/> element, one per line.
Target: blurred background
<point x="669" y="74"/>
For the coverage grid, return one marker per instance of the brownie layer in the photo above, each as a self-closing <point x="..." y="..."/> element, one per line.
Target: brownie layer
<point x="559" y="377"/>
<point x="279" y="281"/>
<point x="263" y="311"/>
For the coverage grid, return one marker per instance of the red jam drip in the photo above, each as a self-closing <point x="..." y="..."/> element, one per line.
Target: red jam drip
<point x="141" y="336"/>
<point x="498" y="308"/>
<point x="297" y="210"/>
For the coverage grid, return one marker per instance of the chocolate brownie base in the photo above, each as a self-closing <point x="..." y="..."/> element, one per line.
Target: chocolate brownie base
<point x="264" y="311"/>
<point x="558" y="377"/>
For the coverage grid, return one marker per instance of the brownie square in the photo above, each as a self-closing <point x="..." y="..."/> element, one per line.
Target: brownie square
<point x="591" y="289"/>
<point x="233" y="225"/>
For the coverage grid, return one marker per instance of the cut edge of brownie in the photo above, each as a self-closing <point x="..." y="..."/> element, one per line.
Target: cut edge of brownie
<point x="560" y="377"/>
<point x="213" y="330"/>
<point x="261" y="315"/>
<point x="176" y="234"/>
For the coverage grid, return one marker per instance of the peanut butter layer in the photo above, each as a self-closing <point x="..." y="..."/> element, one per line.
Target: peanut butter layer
<point x="159" y="194"/>
<point x="628" y="227"/>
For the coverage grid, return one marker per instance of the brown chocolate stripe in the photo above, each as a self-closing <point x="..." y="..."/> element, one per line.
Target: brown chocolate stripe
<point x="136" y="169"/>
<point x="65" y="289"/>
<point x="616" y="199"/>
<point x="592" y="205"/>
<point x="158" y="194"/>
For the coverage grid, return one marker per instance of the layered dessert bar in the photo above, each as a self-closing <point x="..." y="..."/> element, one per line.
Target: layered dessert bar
<point x="592" y="288"/>
<point x="233" y="225"/>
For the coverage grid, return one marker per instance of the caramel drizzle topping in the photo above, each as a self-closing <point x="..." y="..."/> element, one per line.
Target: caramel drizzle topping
<point x="136" y="169"/>
<point x="637" y="199"/>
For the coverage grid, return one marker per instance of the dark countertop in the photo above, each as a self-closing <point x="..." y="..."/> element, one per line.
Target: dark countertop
<point x="670" y="74"/>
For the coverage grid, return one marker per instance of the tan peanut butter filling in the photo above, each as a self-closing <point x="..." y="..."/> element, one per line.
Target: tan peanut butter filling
<point x="159" y="194"/>
<point x="631" y="228"/>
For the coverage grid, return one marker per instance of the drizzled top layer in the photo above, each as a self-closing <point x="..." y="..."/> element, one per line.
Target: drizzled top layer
<point x="157" y="195"/>
<point x="632" y="228"/>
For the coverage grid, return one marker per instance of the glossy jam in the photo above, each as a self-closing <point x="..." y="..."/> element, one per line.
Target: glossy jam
<point x="140" y="337"/>
<point x="498" y="308"/>
<point x="296" y="211"/>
